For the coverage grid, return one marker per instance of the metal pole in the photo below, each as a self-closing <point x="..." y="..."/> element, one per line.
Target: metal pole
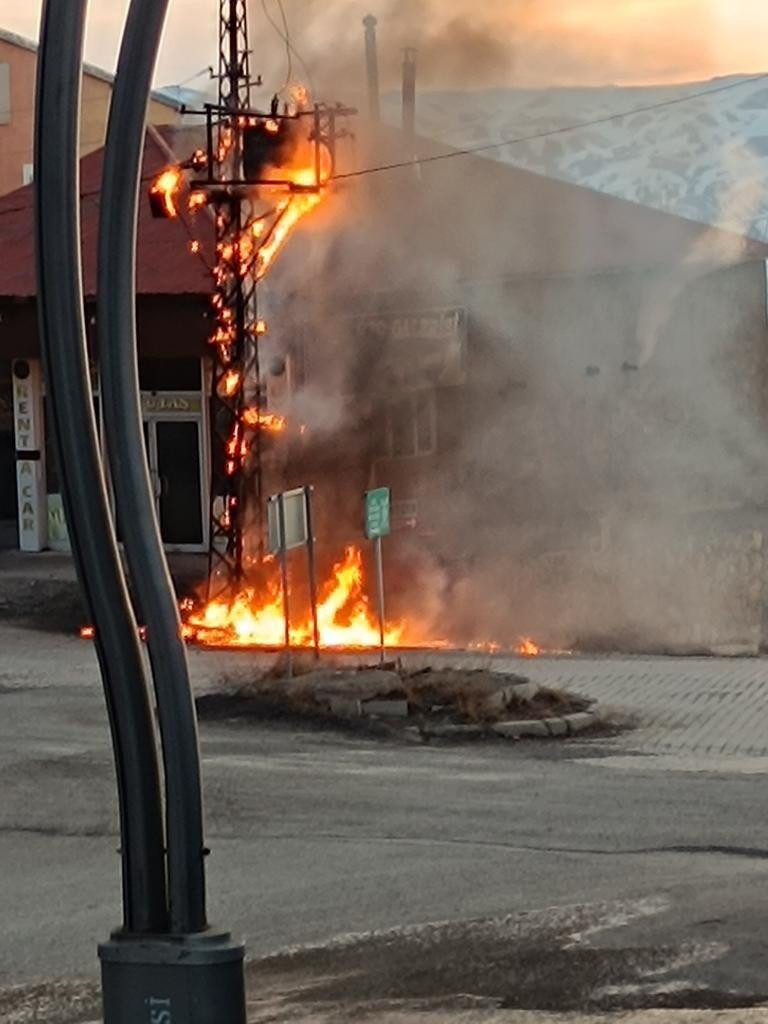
<point x="372" y="67"/>
<point x="186" y="973"/>
<point x="286" y="598"/>
<point x="94" y="547"/>
<point x="130" y="473"/>
<point x="409" y="96"/>
<point x="380" y="588"/>
<point x="312" y="569"/>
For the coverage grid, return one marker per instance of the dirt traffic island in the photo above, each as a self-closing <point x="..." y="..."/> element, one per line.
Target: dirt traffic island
<point x="426" y="704"/>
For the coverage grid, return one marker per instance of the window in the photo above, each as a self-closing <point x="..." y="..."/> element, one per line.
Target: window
<point x="411" y="426"/>
<point x="5" y="93"/>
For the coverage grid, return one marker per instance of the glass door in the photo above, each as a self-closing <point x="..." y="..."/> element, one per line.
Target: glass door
<point x="178" y="469"/>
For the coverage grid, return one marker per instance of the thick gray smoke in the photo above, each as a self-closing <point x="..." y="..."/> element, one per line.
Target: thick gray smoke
<point x="601" y="468"/>
<point x="459" y="46"/>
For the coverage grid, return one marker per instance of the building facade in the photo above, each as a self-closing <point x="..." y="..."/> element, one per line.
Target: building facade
<point x="173" y="327"/>
<point x="18" y="68"/>
<point x="564" y="391"/>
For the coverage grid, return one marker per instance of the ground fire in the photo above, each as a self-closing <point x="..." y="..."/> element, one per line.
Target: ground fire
<point x="254" y="616"/>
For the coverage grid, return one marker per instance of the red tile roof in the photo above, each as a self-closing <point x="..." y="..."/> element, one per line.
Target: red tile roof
<point x="164" y="264"/>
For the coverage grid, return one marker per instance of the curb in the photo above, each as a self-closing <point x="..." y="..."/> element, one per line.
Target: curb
<point x="391" y="712"/>
<point x="538" y="728"/>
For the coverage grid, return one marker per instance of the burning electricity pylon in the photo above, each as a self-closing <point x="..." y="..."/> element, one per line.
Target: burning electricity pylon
<point x="263" y="171"/>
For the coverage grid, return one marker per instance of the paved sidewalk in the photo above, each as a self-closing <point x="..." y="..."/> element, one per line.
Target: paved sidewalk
<point x="705" y="706"/>
<point x="708" y="707"/>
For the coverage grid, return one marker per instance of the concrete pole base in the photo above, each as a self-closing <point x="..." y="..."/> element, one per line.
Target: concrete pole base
<point x="194" y="979"/>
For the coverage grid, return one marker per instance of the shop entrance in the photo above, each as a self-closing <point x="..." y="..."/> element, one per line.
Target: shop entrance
<point x="176" y="456"/>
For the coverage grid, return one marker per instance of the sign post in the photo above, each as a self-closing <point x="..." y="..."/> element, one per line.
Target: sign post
<point x="289" y="522"/>
<point x="378" y="505"/>
<point x="284" y="574"/>
<point x="312" y="570"/>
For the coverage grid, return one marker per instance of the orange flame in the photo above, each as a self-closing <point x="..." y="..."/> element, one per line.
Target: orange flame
<point x="291" y="211"/>
<point x="196" y="201"/>
<point x="167" y="187"/>
<point x="255" y="619"/>
<point x="269" y="421"/>
<point x="528" y="648"/>
<point x="230" y="383"/>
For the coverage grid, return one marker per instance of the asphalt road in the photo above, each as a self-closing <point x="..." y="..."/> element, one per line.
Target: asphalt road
<point x="630" y="876"/>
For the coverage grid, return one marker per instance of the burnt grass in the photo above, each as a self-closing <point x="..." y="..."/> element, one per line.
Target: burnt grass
<point x="434" y="697"/>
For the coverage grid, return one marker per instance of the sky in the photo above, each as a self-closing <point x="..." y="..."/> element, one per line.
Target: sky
<point x="502" y="42"/>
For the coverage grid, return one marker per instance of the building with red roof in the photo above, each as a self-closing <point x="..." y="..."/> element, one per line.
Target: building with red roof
<point x="441" y="318"/>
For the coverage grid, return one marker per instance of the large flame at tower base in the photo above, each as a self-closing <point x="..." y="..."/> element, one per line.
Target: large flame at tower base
<point x="254" y="617"/>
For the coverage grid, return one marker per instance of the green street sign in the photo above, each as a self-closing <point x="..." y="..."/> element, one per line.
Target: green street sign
<point x="377" y="518"/>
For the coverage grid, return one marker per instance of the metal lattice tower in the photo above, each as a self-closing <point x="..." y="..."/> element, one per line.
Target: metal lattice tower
<point x="255" y="200"/>
<point x="236" y="499"/>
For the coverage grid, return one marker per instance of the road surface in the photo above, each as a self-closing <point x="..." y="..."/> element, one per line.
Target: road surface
<point x="612" y="873"/>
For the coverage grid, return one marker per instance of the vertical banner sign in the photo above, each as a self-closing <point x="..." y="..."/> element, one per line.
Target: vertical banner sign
<point x="378" y="506"/>
<point x="30" y="466"/>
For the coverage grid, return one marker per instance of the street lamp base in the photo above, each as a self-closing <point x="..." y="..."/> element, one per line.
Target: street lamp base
<point x="191" y="979"/>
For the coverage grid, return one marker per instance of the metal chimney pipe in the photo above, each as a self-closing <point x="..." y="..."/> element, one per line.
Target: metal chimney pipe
<point x="409" y="95"/>
<point x="372" y="65"/>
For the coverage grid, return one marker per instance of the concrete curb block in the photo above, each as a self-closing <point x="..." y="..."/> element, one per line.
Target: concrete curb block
<point x="535" y="728"/>
<point x="580" y="721"/>
<point x="518" y="730"/>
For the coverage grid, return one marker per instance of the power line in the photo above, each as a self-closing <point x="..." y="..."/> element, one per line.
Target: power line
<point x="580" y="126"/>
<point x="285" y="38"/>
<point x="291" y="50"/>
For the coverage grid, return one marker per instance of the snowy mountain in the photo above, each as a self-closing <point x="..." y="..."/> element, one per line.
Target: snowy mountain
<point x="704" y="157"/>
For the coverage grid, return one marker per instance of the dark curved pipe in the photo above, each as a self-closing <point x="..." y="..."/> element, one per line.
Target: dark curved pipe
<point x="62" y="337"/>
<point x="125" y="444"/>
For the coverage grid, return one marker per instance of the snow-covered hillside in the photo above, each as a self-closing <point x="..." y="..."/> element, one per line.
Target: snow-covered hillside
<point x="705" y="158"/>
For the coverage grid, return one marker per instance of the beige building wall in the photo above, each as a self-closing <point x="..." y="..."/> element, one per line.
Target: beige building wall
<point x="18" y="62"/>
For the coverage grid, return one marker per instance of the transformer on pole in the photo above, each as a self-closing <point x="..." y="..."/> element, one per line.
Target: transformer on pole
<point x="252" y="186"/>
<point x="258" y="175"/>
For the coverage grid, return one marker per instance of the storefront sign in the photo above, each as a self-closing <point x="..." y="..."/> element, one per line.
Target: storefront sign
<point x="153" y="403"/>
<point x="58" y="536"/>
<point x="27" y="406"/>
<point x="30" y="446"/>
<point x="422" y="349"/>
<point x="30" y="482"/>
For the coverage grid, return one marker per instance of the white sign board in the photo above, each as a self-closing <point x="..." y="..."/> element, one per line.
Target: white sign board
<point x="296" y="521"/>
